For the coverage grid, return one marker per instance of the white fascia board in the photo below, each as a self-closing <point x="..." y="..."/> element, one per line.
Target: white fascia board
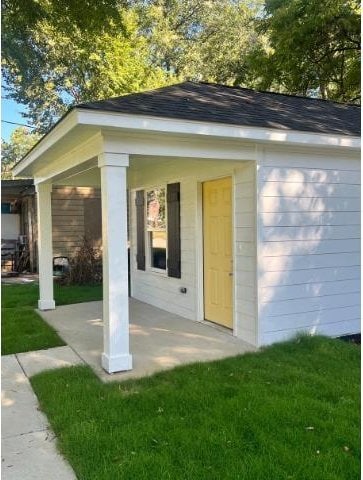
<point x="144" y="123"/>
<point x="191" y="127"/>
<point x="72" y="161"/>
<point x="62" y="128"/>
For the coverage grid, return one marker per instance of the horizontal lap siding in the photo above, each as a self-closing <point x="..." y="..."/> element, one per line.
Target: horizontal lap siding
<point x="159" y="289"/>
<point x="316" y="326"/>
<point x="68" y="222"/>
<point x="164" y="292"/>
<point x="309" y="245"/>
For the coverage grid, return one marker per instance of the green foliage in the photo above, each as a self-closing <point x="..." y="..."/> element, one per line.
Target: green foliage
<point x="288" y="412"/>
<point x="202" y="40"/>
<point x="57" y="54"/>
<point x="21" y="141"/>
<point x="314" y="48"/>
<point x="52" y="61"/>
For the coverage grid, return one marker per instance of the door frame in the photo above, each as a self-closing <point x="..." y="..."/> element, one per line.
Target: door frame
<point x="200" y="249"/>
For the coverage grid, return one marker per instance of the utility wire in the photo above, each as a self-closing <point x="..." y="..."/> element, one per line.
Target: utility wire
<point x="15" y="123"/>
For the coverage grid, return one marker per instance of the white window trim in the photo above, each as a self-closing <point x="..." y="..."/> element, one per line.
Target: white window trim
<point x="148" y="266"/>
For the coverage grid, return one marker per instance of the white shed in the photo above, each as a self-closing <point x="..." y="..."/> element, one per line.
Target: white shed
<point x="244" y="208"/>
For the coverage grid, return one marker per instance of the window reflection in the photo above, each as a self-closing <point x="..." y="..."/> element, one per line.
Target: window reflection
<point x="156" y="227"/>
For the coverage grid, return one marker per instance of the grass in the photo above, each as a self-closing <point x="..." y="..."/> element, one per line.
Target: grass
<point x="22" y="329"/>
<point x="288" y="412"/>
<point x="27" y="295"/>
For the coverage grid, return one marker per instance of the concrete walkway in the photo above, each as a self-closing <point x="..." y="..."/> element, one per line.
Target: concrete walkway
<point x="159" y="339"/>
<point x="28" y="445"/>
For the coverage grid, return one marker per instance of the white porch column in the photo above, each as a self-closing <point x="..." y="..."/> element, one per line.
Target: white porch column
<point x="45" y="254"/>
<point x="116" y="356"/>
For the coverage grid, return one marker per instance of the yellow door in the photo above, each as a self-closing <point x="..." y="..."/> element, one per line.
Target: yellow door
<point x="217" y="239"/>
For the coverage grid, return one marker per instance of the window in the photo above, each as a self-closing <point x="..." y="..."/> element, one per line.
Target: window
<point x="160" y="217"/>
<point x="6" y="207"/>
<point x="156" y="227"/>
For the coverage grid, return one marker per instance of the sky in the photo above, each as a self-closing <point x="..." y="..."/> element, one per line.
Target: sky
<point x="10" y="111"/>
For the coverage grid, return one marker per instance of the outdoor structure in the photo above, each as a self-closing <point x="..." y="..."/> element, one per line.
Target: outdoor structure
<point x="76" y="213"/>
<point x="14" y="194"/>
<point x="244" y="208"/>
<point x="18" y="223"/>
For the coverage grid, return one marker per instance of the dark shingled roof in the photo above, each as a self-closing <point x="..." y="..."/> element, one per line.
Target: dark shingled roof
<point x="237" y="106"/>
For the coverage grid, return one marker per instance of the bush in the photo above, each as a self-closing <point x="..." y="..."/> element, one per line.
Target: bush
<point x="85" y="266"/>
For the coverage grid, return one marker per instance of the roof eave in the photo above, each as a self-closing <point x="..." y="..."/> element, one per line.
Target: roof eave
<point x="137" y="122"/>
<point x="63" y="126"/>
<point x="165" y="125"/>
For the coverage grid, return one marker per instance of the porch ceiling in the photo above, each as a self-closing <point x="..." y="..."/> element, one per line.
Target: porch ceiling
<point x="159" y="339"/>
<point x="90" y="175"/>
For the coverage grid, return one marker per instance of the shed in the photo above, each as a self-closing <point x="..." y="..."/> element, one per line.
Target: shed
<point x="244" y="208"/>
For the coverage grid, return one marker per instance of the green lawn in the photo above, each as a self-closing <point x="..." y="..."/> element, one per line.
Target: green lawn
<point x="22" y="329"/>
<point x="27" y="295"/>
<point x="291" y="411"/>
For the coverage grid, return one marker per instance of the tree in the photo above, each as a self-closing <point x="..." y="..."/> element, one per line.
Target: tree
<point x="206" y="40"/>
<point x="21" y="141"/>
<point x="55" y="55"/>
<point x="54" y="59"/>
<point x="313" y="48"/>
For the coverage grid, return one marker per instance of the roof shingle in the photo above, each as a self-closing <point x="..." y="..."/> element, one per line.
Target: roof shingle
<point x="237" y="106"/>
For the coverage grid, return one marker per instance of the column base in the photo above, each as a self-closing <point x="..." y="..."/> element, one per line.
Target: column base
<point x="119" y="363"/>
<point x="46" y="304"/>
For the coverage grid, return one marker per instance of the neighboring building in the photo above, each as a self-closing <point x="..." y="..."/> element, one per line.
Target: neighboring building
<point x="18" y="222"/>
<point x="76" y="213"/>
<point x="244" y="208"/>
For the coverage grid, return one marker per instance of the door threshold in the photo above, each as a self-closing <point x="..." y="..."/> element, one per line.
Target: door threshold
<point x="217" y="326"/>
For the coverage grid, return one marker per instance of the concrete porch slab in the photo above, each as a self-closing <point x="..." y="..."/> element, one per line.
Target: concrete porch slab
<point x="159" y="339"/>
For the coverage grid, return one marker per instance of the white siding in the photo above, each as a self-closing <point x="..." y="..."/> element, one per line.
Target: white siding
<point x="308" y="245"/>
<point x="10" y="226"/>
<point x="164" y="292"/>
<point x="157" y="288"/>
<point x="245" y="253"/>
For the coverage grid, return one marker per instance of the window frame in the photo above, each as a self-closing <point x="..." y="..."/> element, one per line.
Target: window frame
<point x="148" y="246"/>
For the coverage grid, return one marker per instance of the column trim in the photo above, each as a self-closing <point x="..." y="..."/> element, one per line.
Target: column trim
<point x="45" y="250"/>
<point x="109" y="159"/>
<point x="46" y="304"/>
<point x="118" y="363"/>
<point x="116" y="355"/>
